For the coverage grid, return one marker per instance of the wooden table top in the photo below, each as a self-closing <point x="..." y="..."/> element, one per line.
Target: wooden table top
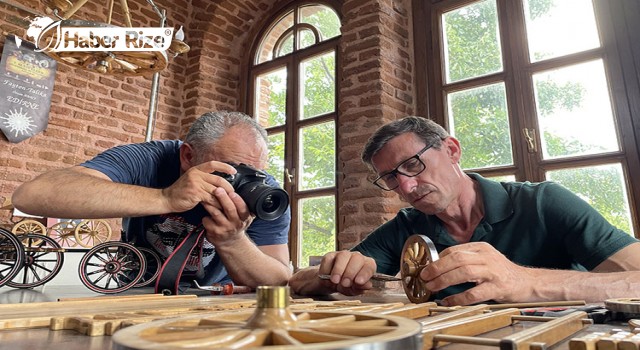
<point x="42" y="338"/>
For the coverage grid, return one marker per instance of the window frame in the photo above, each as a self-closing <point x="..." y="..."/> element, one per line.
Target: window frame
<point x="431" y="90"/>
<point x="293" y="124"/>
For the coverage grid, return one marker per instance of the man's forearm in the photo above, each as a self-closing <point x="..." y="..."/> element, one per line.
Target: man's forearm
<point x="588" y="286"/>
<point x="70" y="193"/>
<point x="247" y="265"/>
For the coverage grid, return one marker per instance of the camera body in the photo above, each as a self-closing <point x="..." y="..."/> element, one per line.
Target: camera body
<point x="265" y="201"/>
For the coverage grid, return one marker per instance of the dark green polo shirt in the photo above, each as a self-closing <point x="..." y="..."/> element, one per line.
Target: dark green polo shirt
<point x="533" y="224"/>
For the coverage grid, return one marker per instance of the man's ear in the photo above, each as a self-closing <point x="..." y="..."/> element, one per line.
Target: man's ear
<point x="187" y="157"/>
<point x="453" y="148"/>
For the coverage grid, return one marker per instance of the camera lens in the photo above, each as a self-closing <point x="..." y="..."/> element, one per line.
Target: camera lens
<point x="270" y="203"/>
<point x="266" y="202"/>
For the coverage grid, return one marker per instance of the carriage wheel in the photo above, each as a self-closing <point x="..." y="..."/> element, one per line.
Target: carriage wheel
<point x="11" y="256"/>
<point x="417" y="253"/>
<point x="29" y="227"/>
<point x="153" y="262"/>
<point x="91" y="232"/>
<point x="63" y="233"/>
<point x="43" y="260"/>
<point x="111" y="267"/>
<point x="274" y="327"/>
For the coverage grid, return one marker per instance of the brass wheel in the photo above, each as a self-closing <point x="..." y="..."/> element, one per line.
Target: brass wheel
<point x="92" y="232"/>
<point x="64" y="233"/>
<point x="25" y="227"/>
<point x="417" y="253"/>
<point x="104" y="62"/>
<point x="275" y="328"/>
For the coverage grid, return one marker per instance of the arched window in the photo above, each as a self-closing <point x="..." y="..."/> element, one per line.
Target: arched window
<point x="292" y="84"/>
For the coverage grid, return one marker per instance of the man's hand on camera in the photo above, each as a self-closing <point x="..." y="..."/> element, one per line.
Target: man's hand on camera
<point x="229" y="222"/>
<point x="197" y="185"/>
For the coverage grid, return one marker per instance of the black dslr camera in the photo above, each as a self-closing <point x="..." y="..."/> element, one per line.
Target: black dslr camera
<point x="265" y="201"/>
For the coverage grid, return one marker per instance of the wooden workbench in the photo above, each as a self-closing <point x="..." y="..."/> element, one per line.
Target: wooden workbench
<point x="41" y="337"/>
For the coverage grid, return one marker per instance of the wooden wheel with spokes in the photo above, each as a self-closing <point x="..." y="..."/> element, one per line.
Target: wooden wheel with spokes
<point x="153" y="265"/>
<point x="111" y="267"/>
<point x="90" y="233"/>
<point x="64" y="233"/>
<point x="25" y="227"/>
<point x="275" y="328"/>
<point x="11" y="256"/>
<point x="43" y="260"/>
<point x="417" y="253"/>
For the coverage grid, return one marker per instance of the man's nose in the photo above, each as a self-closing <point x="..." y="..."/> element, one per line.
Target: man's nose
<point x="406" y="184"/>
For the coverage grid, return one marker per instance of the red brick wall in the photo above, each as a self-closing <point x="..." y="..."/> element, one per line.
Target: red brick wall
<point x="376" y="87"/>
<point x="91" y="113"/>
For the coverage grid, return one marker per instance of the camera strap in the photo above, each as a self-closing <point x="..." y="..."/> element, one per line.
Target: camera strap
<point x="171" y="271"/>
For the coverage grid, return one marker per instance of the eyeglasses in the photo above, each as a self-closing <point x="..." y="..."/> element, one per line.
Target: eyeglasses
<point x="410" y="167"/>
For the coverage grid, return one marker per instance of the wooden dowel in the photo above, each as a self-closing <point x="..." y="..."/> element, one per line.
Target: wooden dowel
<point x="537" y="304"/>
<point x="466" y="340"/>
<point x="73" y="9"/>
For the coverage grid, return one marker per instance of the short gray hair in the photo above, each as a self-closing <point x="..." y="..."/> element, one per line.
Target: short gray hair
<point x="211" y="126"/>
<point x="427" y="130"/>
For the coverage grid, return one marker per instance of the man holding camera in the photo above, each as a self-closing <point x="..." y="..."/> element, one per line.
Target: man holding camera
<point x="165" y="190"/>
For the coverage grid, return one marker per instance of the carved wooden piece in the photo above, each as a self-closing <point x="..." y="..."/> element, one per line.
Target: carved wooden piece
<point x="464" y="330"/>
<point x="614" y="340"/>
<point x="417" y="253"/>
<point x="273" y="325"/>
<point x="549" y="332"/>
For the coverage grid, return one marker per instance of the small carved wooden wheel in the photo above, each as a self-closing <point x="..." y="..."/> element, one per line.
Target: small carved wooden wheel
<point x="29" y="226"/>
<point x="624" y="305"/>
<point x="274" y="326"/>
<point x="418" y="252"/>
<point x="64" y="233"/>
<point x="90" y="233"/>
<point x="25" y="227"/>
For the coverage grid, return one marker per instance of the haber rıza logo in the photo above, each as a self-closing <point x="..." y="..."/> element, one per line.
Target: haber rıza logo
<point x="50" y="35"/>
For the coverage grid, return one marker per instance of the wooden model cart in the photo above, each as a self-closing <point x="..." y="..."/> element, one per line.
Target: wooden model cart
<point x="30" y="260"/>
<point x="68" y="233"/>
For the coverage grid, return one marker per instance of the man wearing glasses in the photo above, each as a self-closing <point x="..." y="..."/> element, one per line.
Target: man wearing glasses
<point x="506" y="242"/>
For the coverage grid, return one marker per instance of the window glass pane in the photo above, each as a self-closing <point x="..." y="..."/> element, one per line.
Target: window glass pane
<point x="603" y="187"/>
<point x="317" y="156"/>
<point x="559" y="27"/>
<point x="317" y="220"/>
<point x="271" y="97"/>
<point x="286" y="46"/>
<point x="323" y="18"/>
<point x="265" y="50"/>
<point x="471" y="41"/>
<point x="574" y="111"/>
<point x="275" y="165"/>
<point x="306" y="38"/>
<point x="317" y="85"/>
<point x="479" y="119"/>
